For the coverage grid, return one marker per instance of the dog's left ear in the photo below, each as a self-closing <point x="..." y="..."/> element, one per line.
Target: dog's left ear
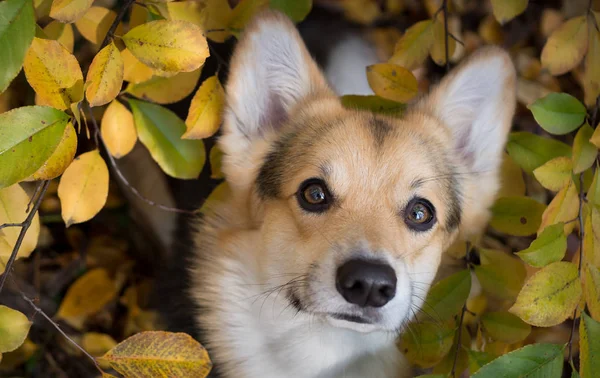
<point x="477" y="103"/>
<point x="271" y="72"/>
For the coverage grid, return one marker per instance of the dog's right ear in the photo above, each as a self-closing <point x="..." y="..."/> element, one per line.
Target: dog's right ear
<point x="271" y="72"/>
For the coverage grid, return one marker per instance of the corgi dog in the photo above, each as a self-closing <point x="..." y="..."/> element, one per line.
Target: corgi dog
<point x="336" y="219"/>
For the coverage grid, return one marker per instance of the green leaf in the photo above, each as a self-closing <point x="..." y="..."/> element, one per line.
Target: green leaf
<point x="447" y="297"/>
<point x="589" y="345"/>
<point x="160" y="130"/>
<point x="549" y="247"/>
<point x="584" y="152"/>
<point x="591" y="289"/>
<point x="17" y="29"/>
<point x="500" y="274"/>
<point x="555" y="173"/>
<point x="519" y="216"/>
<point x="28" y="137"/>
<point x="374" y="104"/>
<point x="531" y="361"/>
<point x="297" y="10"/>
<point x="14" y="327"/>
<point x="477" y="360"/>
<point x="550" y="296"/>
<point x="505" y="327"/>
<point x="593" y="194"/>
<point x="558" y="113"/>
<point x="531" y="151"/>
<point x="427" y="343"/>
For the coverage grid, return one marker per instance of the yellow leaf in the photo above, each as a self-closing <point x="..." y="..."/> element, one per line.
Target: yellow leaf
<point x="500" y="274"/>
<point x="134" y="70"/>
<point x="60" y="158"/>
<point x="438" y="49"/>
<point x="591" y="75"/>
<point x="166" y="90"/>
<point x="13" y="204"/>
<point x="554" y="174"/>
<point x="172" y="46"/>
<point x="83" y="188"/>
<point x="566" y="47"/>
<point x="564" y="207"/>
<point x="595" y="139"/>
<point x="69" y="10"/>
<point x="14" y="327"/>
<point x="511" y="178"/>
<point x="591" y="240"/>
<point x="550" y="296"/>
<point x="506" y="10"/>
<point x="19" y="356"/>
<point x="584" y="152"/>
<point x="204" y="116"/>
<point x="208" y="14"/>
<point x="118" y="129"/>
<point x="591" y="290"/>
<point x="426" y="344"/>
<point x="491" y="31"/>
<point x="412" y="49"/>
<point x="63" y="33"/>
<point x="105" y="76"/>
<point x="589" y="347"/>
<point x="392" y="82"/>
<point x="139" y="15"/>
<point x="159" y="354"/>
<point x="97" y="344"/>
<point x="217" y="196"/>
<point x="361" y="11"/>
<point x="519" y="216"/>
<point x="243" y="12"/>
<point x="215" y="157"/>
<point x="86" y="296"/>
<point x="94" y="24"/>
<point x="53" y="73"/>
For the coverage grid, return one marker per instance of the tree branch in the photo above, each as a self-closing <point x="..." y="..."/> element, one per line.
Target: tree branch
<point x="24" y="227"/>
<point x="111" y="31"/>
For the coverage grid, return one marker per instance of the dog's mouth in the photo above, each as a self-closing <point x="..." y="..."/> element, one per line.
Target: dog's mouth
<point x="296" y="303"/>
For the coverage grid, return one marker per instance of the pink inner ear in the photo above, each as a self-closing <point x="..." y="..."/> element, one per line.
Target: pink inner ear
<point x="274" y="114"/>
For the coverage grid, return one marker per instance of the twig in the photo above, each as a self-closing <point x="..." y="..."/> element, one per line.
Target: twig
<point x="122" y="177"/>
<point x="24" y="227"/>
<point x="581" y="237"/>
<point x="462" y="318"/>
<point x="445" y="10"/>
<point x="111" y="31"/>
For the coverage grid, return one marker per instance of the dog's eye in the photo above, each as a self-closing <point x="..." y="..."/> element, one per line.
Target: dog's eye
<point x="419" y="214"/>
<point x="314" y="196"/>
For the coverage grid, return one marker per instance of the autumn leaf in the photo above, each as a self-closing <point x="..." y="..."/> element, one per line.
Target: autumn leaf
<point x="69" y="10"/>
<point x="53" y="73"/>
<point x="591" y="288"/>
<point x="204" y="116"/>
<point x="558" y="113"/>
<point x="499" y="274"/>
<point x="511" y="178"/>
<point x="83" y="188"/>
<point x="538" y="360"/>
<point x="427" y="343"/>
<point x="447" y="297"/>
<point x="166" y="90"/>
<point x="118" y="129"/>
<point x="243" y="13"/>
<point x="105" y="76"/>
<point x="24" y="130"/>
<point x="566" y="47"/>
<point x="584" y="152"/>
<point x="531" y="151"/>
<point x="505" y="327"/>
<point x="160" y="130"/>
<point x="14" y="327"/>
<point x="63" y="33"/>
<point x="215" y="158"/>
<point x="373" y="103"/>
<point x="564" y="207"/>
<point x="550" y="296"/>
<point x="134" y="70"/>
<point x="172" y="46"/>
<point x="86" y="296"/>
<point x="96" y="22"/>
<point x="549" y="247"/>
<point x="212" y="16"/>
<point x="555" y="174"/>
<point x="17" y="29"/>
<point x="438" y="49"/>
<point x="60" y="159"/>
<point x="296" y="10"/>
<point x="13" y="209"/>
<point x="589" y="356"/>
<point x="97" y="344"/>
<point x="520" y="216"/>
<point x="392" y="82"/>
<point x="477" y="360"/>
<point x="412" y="49"/>
<point x="157" y="354"/>
<point x="591" y="74"/>
<point x="506" y="10"/>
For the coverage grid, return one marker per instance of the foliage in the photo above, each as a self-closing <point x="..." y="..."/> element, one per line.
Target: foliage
<point x="100" y="77"/>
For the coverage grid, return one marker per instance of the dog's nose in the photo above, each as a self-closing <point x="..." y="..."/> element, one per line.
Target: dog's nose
<point x="366" y="283"/>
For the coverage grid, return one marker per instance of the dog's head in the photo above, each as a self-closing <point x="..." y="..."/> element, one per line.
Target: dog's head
<point x="355" y="209"/>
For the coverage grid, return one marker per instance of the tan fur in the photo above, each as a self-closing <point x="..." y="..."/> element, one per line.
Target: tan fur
<point x="374" y="165"/>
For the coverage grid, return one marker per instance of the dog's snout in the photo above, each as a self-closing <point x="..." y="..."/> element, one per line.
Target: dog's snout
<point x="366" y="283"/>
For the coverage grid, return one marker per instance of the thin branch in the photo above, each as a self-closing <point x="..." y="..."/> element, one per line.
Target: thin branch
<point x="122" y="177"/>
<point x="111" y="31"/>
<point x="6" y="225"/>
<point x="462" y="318"/>
<point x="24" y="227"/>
<point x="581" y="237"/>
<point x="445" y="10"/>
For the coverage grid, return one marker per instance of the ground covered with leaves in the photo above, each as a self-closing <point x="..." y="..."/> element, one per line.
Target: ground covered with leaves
<point x="87" y="85"/>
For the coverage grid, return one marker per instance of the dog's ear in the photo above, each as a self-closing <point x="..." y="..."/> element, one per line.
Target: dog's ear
<point x="477" y="103"/>
<point x="271" y="72"/>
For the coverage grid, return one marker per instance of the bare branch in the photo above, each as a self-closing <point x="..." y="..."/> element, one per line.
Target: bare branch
<point x="111" y="31"/>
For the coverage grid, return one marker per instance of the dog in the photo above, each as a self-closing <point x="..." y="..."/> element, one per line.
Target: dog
<point x="336" y="219"/>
